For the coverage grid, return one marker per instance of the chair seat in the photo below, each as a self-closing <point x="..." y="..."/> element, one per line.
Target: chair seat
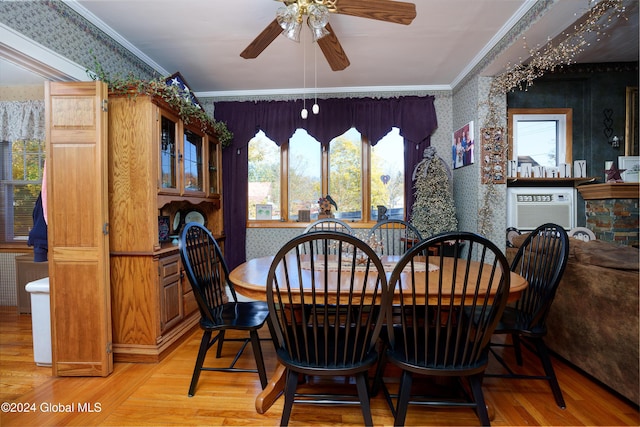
<point x="237" y="315"/>
<point x="368" y="361"/>
<point x="514" y="321"/>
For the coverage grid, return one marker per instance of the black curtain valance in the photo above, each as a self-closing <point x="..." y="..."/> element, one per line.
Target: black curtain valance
<point x="415" y="116"/>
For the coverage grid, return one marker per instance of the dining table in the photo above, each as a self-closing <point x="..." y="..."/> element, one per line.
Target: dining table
<point x="250" y="278"/>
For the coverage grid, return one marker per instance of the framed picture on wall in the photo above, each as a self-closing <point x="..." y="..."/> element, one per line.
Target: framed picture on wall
<point x="631" y="166"/>
<point x="462" y="146"/>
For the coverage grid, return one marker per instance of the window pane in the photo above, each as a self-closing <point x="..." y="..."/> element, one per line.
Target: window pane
<point x="192" y="161"/>
<point x="387" y="176"/>
<point x="305" y="156"/>
<point x="24" y="200"/>
<point x="168" y="153"/>
<point x="20" y="183"/>
<point x="264" y="175"/>
<point x="26" y="160"/>
<point x="538" y="142"/>
<point x="345" y="174"/>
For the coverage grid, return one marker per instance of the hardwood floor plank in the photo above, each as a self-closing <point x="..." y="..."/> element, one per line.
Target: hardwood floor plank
<point x="145" y="394"/>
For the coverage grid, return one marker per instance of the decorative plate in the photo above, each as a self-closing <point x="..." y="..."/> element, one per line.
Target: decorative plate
<point x="582" y="233"/>
<point x="194" y="216"/>
<point x="511" y="233"/>
<point x="176" y="221"/>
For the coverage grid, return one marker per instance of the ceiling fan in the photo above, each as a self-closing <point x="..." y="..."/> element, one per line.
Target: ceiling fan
<point x="290" y="16"/>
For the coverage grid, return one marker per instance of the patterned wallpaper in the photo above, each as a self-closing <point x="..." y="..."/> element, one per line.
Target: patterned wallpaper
<point x="469" y="193"/>
<point x="45" y="22"/>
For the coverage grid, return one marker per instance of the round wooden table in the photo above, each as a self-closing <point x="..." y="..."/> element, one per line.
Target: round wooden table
<point x="250" y="280"/>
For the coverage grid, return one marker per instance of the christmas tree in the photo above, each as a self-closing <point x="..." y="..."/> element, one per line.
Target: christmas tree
<point x="433" y="210"/>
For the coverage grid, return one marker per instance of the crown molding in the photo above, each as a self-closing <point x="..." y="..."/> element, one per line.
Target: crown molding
<point x="102" y="26"/>
<point x="28" y="54"/>
<point x="324" y="91"/>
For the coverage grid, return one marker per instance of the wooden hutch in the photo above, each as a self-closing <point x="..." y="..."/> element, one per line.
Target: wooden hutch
<point x="123" y="173"/>
<point x="161" y="171"/>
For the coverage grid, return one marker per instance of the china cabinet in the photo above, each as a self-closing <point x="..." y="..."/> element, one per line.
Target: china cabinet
<point x="159" y="166"/>
<point x="124" y="174"/>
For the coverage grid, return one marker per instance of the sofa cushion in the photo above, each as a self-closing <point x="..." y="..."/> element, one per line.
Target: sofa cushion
<point x="605" y="254"/>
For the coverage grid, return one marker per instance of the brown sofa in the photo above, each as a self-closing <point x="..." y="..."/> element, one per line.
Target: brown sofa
<point x="594" y="320"/>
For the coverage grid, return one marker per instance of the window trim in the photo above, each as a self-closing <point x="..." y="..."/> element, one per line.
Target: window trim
<point x="515" y="114"/>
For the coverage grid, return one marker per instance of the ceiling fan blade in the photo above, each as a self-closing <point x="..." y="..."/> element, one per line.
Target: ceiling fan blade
<point x="332" y="50"/>
<point x="383" y="10"/>
<point x="263" y="40"/>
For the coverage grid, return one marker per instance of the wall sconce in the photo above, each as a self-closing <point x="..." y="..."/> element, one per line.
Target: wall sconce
<point x="612" y="139"/>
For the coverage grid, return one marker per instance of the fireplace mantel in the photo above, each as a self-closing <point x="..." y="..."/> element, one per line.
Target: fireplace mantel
<point x="616" y="190"/>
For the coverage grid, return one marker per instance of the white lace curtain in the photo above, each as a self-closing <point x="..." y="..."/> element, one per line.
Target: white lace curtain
<point x="21" y="120"/>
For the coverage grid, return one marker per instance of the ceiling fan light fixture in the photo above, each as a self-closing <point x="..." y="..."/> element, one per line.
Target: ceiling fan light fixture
<point x="292" y="32"/>
<point x="290" y="21"/>
<point x="318" y="20"/>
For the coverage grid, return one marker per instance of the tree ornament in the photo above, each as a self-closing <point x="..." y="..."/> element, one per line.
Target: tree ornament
<point x="434" y="210"/>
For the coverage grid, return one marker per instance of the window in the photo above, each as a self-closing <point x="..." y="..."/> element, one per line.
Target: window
<point x="20" y="183"/>
<point x="264" y="175"/>
<point x="358" y="177"/>
<point x="541" y="137"/>
<point x="345" y="175"/>
<point x="305" y="174"/>
<point x="387" y="176"/>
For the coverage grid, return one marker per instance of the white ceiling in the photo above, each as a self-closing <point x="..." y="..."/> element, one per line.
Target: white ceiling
<point x="203" y="39"/>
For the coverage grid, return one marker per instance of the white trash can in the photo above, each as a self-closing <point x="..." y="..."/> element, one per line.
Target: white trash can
<point x="40" y="320"/>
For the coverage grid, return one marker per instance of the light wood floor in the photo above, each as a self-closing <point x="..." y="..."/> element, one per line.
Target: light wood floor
<point x="156" y="394"/>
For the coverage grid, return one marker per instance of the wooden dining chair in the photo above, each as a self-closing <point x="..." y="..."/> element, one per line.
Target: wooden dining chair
<point x="442" y="330"/>
<point x="541" y="259"/>
<point x="329" y="224"/>
<point x="394" y="236"/>
<point x="326" y="313"/>
<point x="208" y="274"/>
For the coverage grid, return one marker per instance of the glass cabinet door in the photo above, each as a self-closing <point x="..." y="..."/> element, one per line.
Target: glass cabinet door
<point x="213" y="167"/>
<point x="168" y="154"/>
<point x="192" y="160"/>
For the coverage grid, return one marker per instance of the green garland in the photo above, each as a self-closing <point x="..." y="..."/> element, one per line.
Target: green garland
<point x="171" y="94"/>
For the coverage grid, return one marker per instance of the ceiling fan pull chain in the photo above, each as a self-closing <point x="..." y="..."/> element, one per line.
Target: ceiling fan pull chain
<point x="304" y="113"/>
<point x="315" y="109"/>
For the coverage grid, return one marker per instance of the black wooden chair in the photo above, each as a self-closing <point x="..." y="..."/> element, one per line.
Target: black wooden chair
<point x="439" y="330"/>
<point x="329" y="224"/>
<point x="325" y="321"/>
<point x="394" y="236"/>
<point x="208" y="274"/>
<point x="541" y="259"/>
